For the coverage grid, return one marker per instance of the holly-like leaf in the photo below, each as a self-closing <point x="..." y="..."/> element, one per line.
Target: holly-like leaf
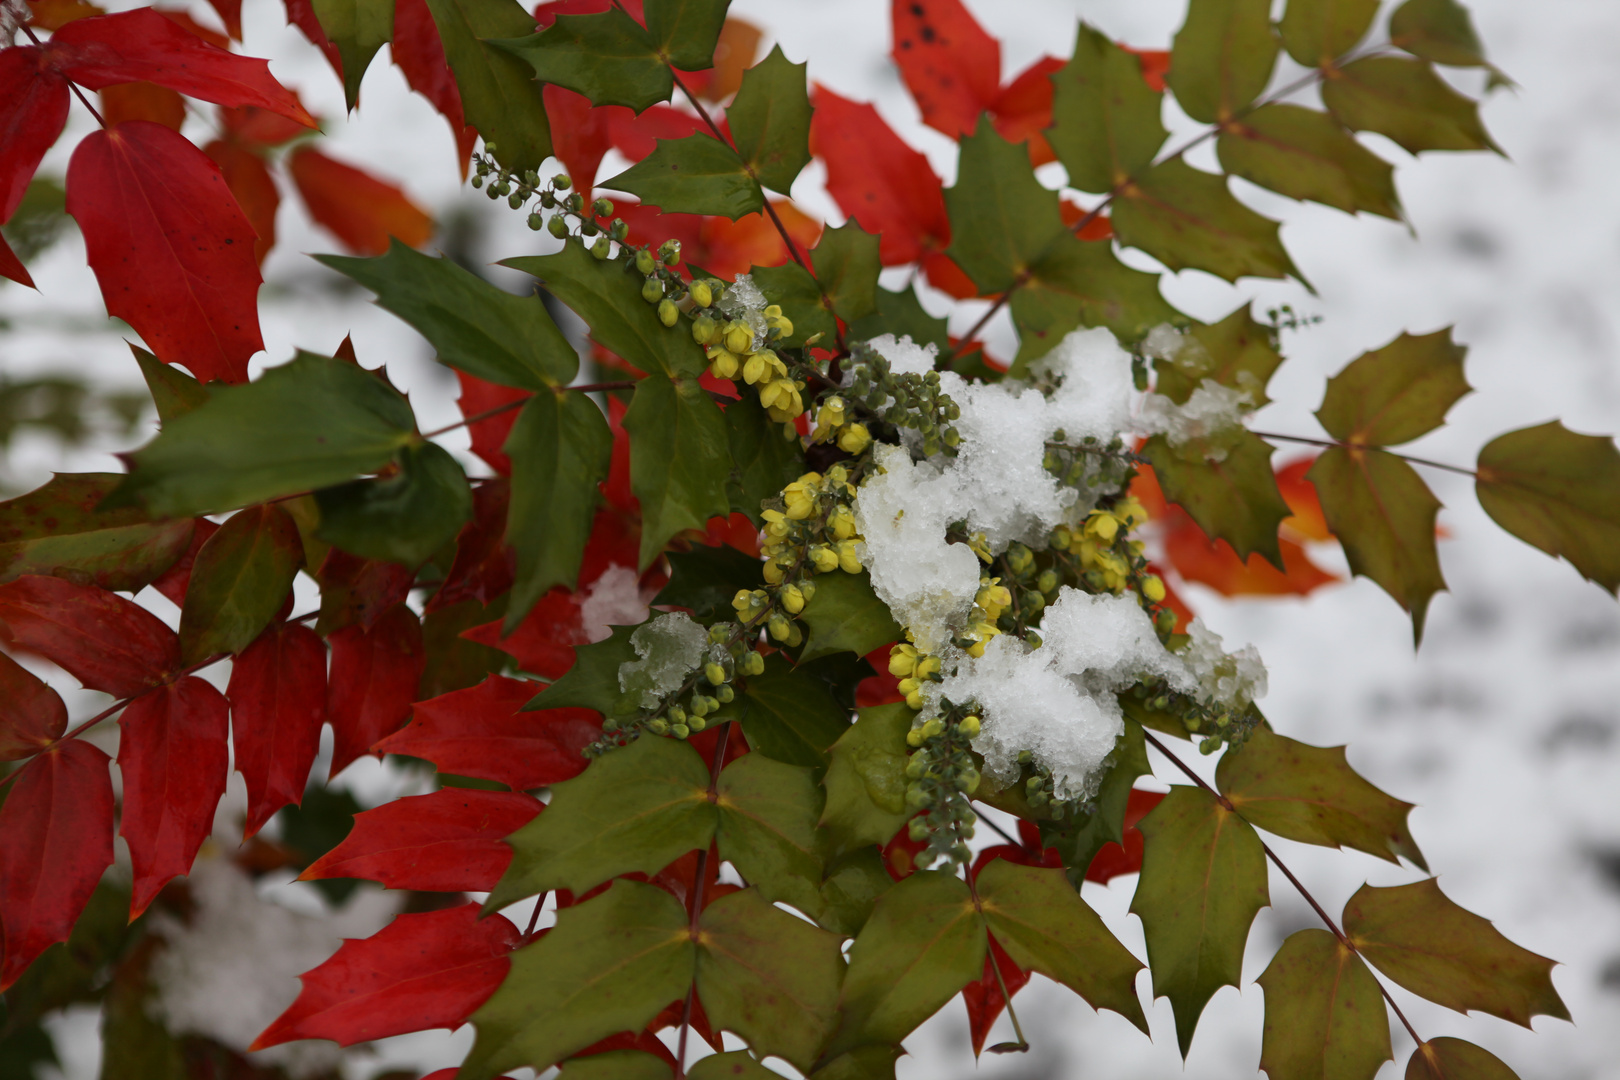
<point x="405" y="517"/>
<point x="1396" y="393"/>
<point x="483" y="732"/>
<point x="767" y="829"/>
<point x="950" y="64"/>
<point x="560" y="449"/>
<point x="845" y="615"/>
<point x="1441" y="31"/>
<point x="1234" y="499"/>
<point x="355" y="591"/>
<point x="791" y="286"/>
<point x="1383" y="513"/>
<point x="1316" y="32"/>
<point x="34" y="102"/>
<point x="32" y="715"/>
<point x="854" y="883"/>
<point x="1188" y="219"/>
<point x="1222" y="58"/>
<point x="417" y="50"/>
<point x="1420" y="939"/>
<point x="686" y="32"/>
<point x="174" y="393"/>
<point x="373" y="682"/>
<point x="1203" y="882"/>
<point x="106" y="642"/>
<point x="900" y="313"/>
<point x="1002" y="219"/>
<point x="278" y="703"/>
<point x="55" y="842"/>
<point x="1446" y="1058"/>
<point x="499" y="96"/>
<point x="1077" y="283"/>
<point x="593" y="681"/>
<point x="1405" y="100"/>
<point x="308" y="424"/>
<point x="608" y="57"/>
<point x="847" y="263"/>
<point x="1305" y="154"/>
<point x="428" y="970"/>
<point x="56" y="529"/>
<point x="365" y="213"/>
<point x="680" y="457"/>
<point x="705" y="579"/>
<point x="249" y="179"/>
<point x="358" y="28"/>
<point x="866" y="779"/>
<point x="1325" y="1017"/>
<point x="1080" y="839"/>
<point x="1038" y="917"/>
<point x="1311" y="794"/>
<point x="1558" y="491"/>
<point x="615" y="1065"/>
<point x="241" y="576"/>
<point x="695" y="175"/>
<point x="770" y="121"/>
<point x="1236" y="352"/>
<point x="736" y="1065"/>
<point x="172" y="756"/>
<point x="170" y="247"/>
<point x="923" y="943"/>
<point x="791" y="716"/>
<point x="1105" y="119"/>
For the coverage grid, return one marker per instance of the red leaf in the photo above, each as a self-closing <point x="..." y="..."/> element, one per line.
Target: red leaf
<point x="483" y="566"/>
<point x="173" y="760"/>
<point x="645" y="1041"/>
<point x="373" y="682"/>
<point x="1114" y="860"/>
<point x="950" y="65"/>
<point x="983" y="997"/>
<point x="278" y="703"/>
<point x="420" y="971"/>
<point x="31" y="713"/>
<point x="488" y="436"/>
<point x="1308" y="522"/>
<point x="544" y="641"/>
<point x="174" y="581"/>
<point x="12" y="267"/>
<point x="301" y="13"/>
<point x="637" y="136"/>
<point x="103" y="640"/>
<point x="1029" y="852"/>
<point x="1023" y="109"/>
<point x="356" y="591"/>
<point x="943" y="274"/>
<point x="579" y="134"/>
<point x="124" y="102"/>
<point x="670" y="1017"/>
<point x="1155" y="66"/>
<point x="879" y="180"/>
<point x="452" y="840"/>
<point x="142" y="44"/>
<point x="171" y="248"/>
<point x="55" y="842"/>
<point x="184" y="21"/>
<point x="256" y="127"/>
<point x="230" y="13"/>
<point x="417" y="50"/>
<point x="482" y="732"/>
<point x="33" y="109"/>
<point x="362" y="211"/>
<point x="250" y="181"/>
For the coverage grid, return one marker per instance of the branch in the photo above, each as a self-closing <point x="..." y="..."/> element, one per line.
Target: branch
<point x="1353" y="446"/>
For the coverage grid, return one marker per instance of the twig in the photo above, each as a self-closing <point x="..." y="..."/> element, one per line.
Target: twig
<point x="1381" y="449"/>
<point x="29" y="30"/>
<point x="584" y="388"/>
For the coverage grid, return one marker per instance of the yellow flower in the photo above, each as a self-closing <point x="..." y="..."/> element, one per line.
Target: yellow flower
<point x="1153" y="588"/>
<point x="841" y="522"/>
<point x="854" y="439"/>
<point x="1103" y="525"/>
<point x="902" y="660"/>
<point x="848" y="561"/>
<point x="723" y="363"/>
<point x="800" y="499"/>
<point x="824" y="558"/>
<point x="739" y="338"/>
<point x="792" y="599"/>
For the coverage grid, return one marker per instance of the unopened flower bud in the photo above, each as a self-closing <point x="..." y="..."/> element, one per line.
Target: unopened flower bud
<point x="668" y="313"/>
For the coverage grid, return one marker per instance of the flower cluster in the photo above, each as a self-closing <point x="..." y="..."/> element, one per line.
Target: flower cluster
<point x="910" y="401"/>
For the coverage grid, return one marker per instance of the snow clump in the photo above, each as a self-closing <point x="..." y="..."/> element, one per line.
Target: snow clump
<point x="1230" y="680"/>
<point x="1210" y="411"/>
<point x="614" y="599"/>
<point x="743" y="301"/>
<point x="670" y="648"/>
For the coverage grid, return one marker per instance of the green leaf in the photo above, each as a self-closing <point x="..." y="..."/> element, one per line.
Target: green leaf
<point x="1432" y="947"/>
<point x="617" y="1065"/>
<point x="763" y="462"/>
<point x="609" y="965"/>
<point x="1405" y="100"/>
<point x="686" y="31"/>
<point x="308" y="424"/>
<point x="847" y="265"/>
<point x="1558" y="491"/>
<point x="854" y="883"/>
<point x="608" y="57"/>
<point x="1203" y="881"/>
<point x="403" y="518"/>
<point x="680" y="457"/>
<point x="593" y="681"/>
<point x="27" y="1053"/>
<point x="1078" y="839"/>
<point x="1105" y="118"/>
<point x="239" y="581"/>
<point x="450" y="661"/>
<point x="1311" y="794"/>
<point x="1446" y="1058"/>
<point x="1305" y="154"/>
<point x="923" y="943"/>
<point x="472" y="325"/>
<point x="1002" y="219"/>
<point x="1236" y="352"/>
<point x="862" y="1063"/>
<point x="866" y="780"/>
<point x="770" y="121"/>
<point x="706" y="578"/>
<point x="635" y="809"/>
<point x="56" y="529"/>
<point x="498" y="92"/>
<point x="791" y="715"/>
<point x="358" y="28"/>
<point x="736" y="1065"/>
<point x="1040" y="920"/>
<point x="695" y="175"/>
<point x="173" y="391"/>
<point x="1187" y="219"/>
<point x="1234" y="499"/>
<point x="561" y="449"/>
<point x="1316" y="32"/>
<point x="1082" y="283"/>
<point x="791" y="286"/>
<point x="1325" y="1017"/>
<point x="606" y="293"/>
<point x="767" y="829"/>
<point x="1383" y="513"/>
<point x="900" y="313"/>
<point x="1395" y="394"/>
<point x="846" y="615"/>
<point x="1437" y="30"/>
<point x="1222" y="57"/>
<point x="768" y="976"/>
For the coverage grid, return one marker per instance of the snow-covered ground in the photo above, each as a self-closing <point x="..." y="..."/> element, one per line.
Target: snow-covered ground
<point x="1503" y="728"/>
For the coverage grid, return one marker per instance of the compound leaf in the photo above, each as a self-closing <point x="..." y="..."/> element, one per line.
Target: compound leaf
<point x="792" y="716"/>
<point x="767" y="829"/>
<point x="238" y="582"/>
<point x="1446" y="1058"/>
<point x="499" y="94"/>
<point x="1078" y="283"/>
<point x="1305" y="154"/>
<point x="358" y="28"/>
<point x="1325" y="1017"/>
<point x="1408" y="102"/>
<point x="1002" y="219"/>
<point x="695" y="175"/>
<point x="1315" y="32"/>
<point x="1394" y="394"/>
<point x="847" y="265"/>
<point x="607" y="56"/>
<point x="706" y="578"/>
<point x="1188" y="219"/>
<point x="56" y="529"/>
<point x="1236" y="352"/>
<point x="680" y="459"/>
<point x="686" y="31"/>
<point x="1222" y="57"/>
<point x="736" y="1065"/>
<point x="593" y="681"/>
<point x="1105" y="118"/>
<point x="405" y="517"/>
<point x="1437" y="30"/>
<point x="1235" y="499"/>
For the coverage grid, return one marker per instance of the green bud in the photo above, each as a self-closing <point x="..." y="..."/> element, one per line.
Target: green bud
<point x="658" y="726"/>
<point x="715" y="673"/>
<point x="700" y="706"/>
<point x="1047" y="582"/>
<point x="652" y="290"/>
<point x="602" y="248"/>
<point x="645" y="261"/>
<point x="726" y="695"/>
<point x="561" y="181"/>
<point x="668" y="313"/>
<point x="917" y="795"/>
<point x="536" y="222"/>
<point x="915" y="766"/>
<point x="697" y="723"/>
<point x="680" y="731"/>
<point x="602" y="208"/>
<point x="478" y="181"/>
<point x="677" y="715"/>
<point x="516" y="200"/>
<point x="702" y="295"/>
<point x="558" y="228"/>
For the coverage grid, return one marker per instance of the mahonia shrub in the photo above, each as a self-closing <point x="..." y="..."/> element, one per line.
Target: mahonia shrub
<point x="718" y="661"/>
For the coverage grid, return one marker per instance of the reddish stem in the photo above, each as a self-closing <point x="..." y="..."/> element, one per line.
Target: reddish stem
<point x="29" y="30"/>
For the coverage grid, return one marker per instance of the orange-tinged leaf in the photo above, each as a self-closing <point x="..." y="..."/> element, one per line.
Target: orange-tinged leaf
<point x="1213" y="562"/>
<point x="950" y="65"/>
<point x="1307" y="522"/>
<point x="733" y="54"/>
<point x="54" y="14"/>
<point x="255" y="190"/>
<point x="719" y="245"/>
<point x="1453" y="1059"/>
<point x="1155" y="66"/>
<point x="580" y="134"/>
<point x="1023" y="110"/>
<point x="1325" y="1016"/>
<point x="945" y="275"/>
<point x="361" y="210"/>
<point x="255" y="127"/>
<point x="142" y="101"/>
<point x="1098" y="228"/>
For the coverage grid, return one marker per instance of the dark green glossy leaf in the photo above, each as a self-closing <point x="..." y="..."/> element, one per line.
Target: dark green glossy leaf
<point x="1559" y="491"/>
<point x="1420" y="939"/>
<point x="695" y="175"/>
<point x="1079" y="838"/>
<point x="706" y="578"/>
<point x="308" y="424"/>
<point x="900" y="313"/>
<point x="1234" y="499"/>
<point x="866" y="780"/>
<point x="854" y="883"/>
<point x="846" y="615"/>
<point x="1305" y="154"/>
<point x="1405" y="100"/>
<point x="317" y="825"/>
<point x="1002" y="219"/>
<point x="686" y="31"/>
<point x="1222" y="57"/>
<point x="617" y="1065"/>
<point x="498" y="92"/>
<point x="608" y="57"/>
<point x="451" y="662"/>
<point x="1394" y="394"/>
<point x="1187" y="219"/>
<point x="56" y="529"/>
<point x="1383" y="513"/>
<point x="1325" y="1018"/>
<point x="358" y="28"/>
<point x="1236" y="352"/>
<point x="1105" y="118"/>
<point x="593" y="681"/>
<point x="1446" y="1058"/>
<point x="770" y="121"/>
<point x="1079" y="283"/>
<point x="791" y="715"/>
<point x="767" y="829"/>
<point x="763" y="460"/>
<point x="680" y="458"/>
<point x="402" y="518"/>
<point x="173" y="391"/>
<point x="1437" y="30"/>
<point x="560" y="448"/>
<point x="240" y="580"/>
<point x="791" y="286"/>
<point x="472" y="325"/>
<point x="847" y="265"/>
<point x="736" y="1065"/>
<point x="1203" y="882"/>
<point x="1316" y="32"/>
